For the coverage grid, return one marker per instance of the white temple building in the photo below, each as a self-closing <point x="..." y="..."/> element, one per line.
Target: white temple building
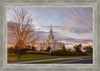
<point x="51" y="42"/>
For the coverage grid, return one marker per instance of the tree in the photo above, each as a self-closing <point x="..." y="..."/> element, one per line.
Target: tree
<point x="48" y="48"/>
<point x="16" y="50"/>
<point x="28" y="47"/>
<point x="78" y="48"/>
<point x="21" y="29"/>
<point x="69" y="50"/>
<point x="33" y="48"/>
<point x="88" y="49"/>
<point x="10" y="49"/>
<point x="63" y="49"/>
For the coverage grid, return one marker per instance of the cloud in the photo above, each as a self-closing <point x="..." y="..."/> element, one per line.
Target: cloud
<point x="37" y="28"/>
<point x="70" y="24"/>
<point x="42" y="35"/>
<point x="42" y="32"/>
<point x="80" y="21"/>
<point x="53" y="27"/>
<point x="67" y="39"/>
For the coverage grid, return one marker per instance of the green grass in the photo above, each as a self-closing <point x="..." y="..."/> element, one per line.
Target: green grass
<point x="87" y="57"/>
<point x="54" y="61"/>
<point x="28" y="57"/>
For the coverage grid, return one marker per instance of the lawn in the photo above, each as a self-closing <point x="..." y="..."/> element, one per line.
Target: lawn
<point x="86" y="57"/>
<point x="28" y="57"/>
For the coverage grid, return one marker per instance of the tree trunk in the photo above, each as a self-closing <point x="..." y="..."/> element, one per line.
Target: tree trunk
<point x="18" y="52"/>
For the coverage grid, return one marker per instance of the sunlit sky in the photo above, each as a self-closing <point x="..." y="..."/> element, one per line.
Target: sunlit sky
<point x="71" y="25"/>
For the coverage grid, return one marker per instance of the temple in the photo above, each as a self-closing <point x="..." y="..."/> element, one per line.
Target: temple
<point x="50" y="42"/>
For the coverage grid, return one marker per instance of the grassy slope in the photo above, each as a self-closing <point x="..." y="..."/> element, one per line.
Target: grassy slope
<point x="28" y="57"/>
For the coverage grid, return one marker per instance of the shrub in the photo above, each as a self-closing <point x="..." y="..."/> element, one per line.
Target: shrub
<point x="10" y="49"/>
<point x="59" y="53"/>
<point x="38" y="52"/>
<point x="63" y="49"/>
<point x="78" y="48"/>
<point x="88" y="49"/>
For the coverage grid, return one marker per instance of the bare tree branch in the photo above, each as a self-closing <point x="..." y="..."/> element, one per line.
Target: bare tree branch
<point x="21" y="29"/>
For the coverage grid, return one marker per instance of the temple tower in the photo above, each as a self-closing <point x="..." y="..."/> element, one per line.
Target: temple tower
<point x="51" y="36"/>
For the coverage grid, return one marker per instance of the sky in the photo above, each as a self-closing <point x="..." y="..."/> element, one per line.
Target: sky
<point x="71" y="25"/>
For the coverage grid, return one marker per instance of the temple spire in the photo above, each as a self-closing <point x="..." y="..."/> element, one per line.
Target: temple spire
<point x="51" y="36"/>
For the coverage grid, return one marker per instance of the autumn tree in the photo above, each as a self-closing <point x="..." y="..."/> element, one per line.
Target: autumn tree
<point x="21" y="30"/>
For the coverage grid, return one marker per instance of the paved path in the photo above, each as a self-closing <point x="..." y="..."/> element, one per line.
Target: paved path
<point x="25" y="62"/>
<point x="81" y="61"/>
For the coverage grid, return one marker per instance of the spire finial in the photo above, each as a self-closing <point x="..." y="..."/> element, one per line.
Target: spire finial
<point x="51" y="25"/>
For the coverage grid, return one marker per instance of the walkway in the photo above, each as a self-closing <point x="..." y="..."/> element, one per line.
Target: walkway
<point x="81" y="61"/>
